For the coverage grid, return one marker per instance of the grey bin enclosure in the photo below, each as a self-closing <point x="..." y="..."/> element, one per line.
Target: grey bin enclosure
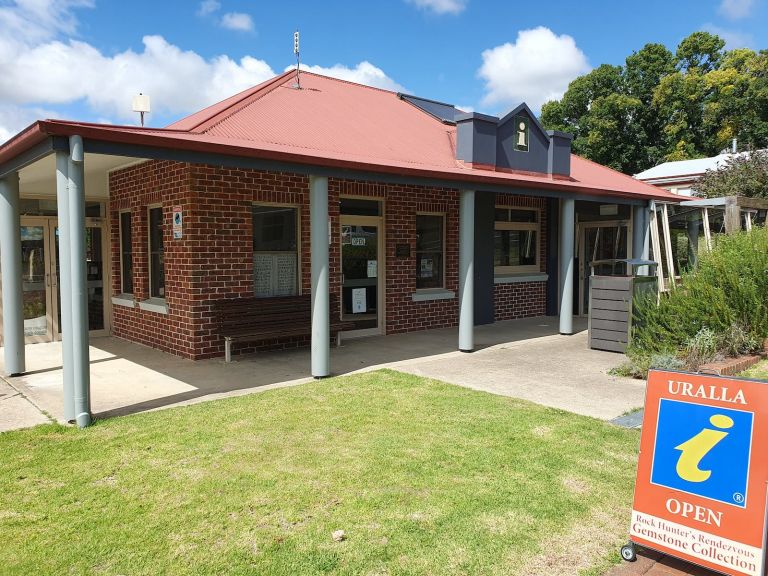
<point x="611" y="295"/>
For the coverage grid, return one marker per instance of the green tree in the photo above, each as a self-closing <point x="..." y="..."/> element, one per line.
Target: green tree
<point x="613" y="135"/>
<point x="663" y="106"/>
<point x="643" y="72"/>
<point x="700" y="52"/>
<point x="743" y="175"/>
<point x="567" y="114"/>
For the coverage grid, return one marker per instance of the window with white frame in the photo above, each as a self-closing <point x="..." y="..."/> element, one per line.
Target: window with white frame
<point x="430" y="251"/>
<point x="156" y="253"/>
<point x="275" y="251"/>
<point x="516" y="240"/>
<point x="126" y="253"/>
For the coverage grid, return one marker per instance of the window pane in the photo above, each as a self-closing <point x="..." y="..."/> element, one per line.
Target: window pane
<point x="275" y="254"/>
<point x="274" y="229"/>
<point x="359" y="207"/>
<point x="429" y="251"/>
<point x="126" y="256"/>
<point x="156" y="256"/>
<point x="517" y="215"/>
<point x="514" y="248"/>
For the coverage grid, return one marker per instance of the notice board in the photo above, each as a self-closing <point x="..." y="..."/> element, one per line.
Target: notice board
<point x="702" y="472"/>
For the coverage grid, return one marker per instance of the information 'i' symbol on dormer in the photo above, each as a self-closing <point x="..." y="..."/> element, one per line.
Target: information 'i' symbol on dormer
<point x="521" y="129"/>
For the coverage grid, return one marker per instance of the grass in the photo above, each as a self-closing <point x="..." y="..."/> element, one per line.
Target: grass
<point x="423" y="477"/>
<point x="758" y="371"/>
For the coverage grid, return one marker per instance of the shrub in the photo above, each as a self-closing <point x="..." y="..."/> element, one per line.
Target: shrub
<point x="701" y="349"/>
<point x="638" y="366"/>
<point x="737" y="340"/>
<point x="727" y="289"/>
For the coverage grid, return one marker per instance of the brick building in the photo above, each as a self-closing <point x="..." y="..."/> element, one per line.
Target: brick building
<point x="392" y="213"/>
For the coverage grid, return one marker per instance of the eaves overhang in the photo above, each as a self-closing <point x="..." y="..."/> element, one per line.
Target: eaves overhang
<point x="139" y="142"/>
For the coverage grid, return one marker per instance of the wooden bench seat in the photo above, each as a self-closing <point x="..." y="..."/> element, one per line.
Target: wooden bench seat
<point x="258" y="319"/>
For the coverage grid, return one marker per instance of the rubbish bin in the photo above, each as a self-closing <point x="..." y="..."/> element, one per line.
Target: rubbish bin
<point x="613" y="286"/>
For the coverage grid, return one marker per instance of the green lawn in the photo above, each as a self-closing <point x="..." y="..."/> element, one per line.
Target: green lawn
<point x="759" y="371"/>
<point x="423" y="477"/>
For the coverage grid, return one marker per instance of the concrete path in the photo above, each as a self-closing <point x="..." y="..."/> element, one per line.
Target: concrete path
<point x="522" y="358"/>
<point x="557" y="371"/>
<point x="16" y="411"/>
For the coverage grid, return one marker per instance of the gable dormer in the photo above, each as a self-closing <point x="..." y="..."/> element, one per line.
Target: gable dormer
<point x="515" y="142"/>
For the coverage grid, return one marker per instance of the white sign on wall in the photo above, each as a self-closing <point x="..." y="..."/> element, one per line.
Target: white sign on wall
<point x="178" y="230"/>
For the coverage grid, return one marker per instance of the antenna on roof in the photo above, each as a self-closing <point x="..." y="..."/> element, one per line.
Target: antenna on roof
<point x="141" y="105"/>
<point x="298" y="59"/>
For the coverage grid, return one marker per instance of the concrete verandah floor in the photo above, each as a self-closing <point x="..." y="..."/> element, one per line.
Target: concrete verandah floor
<point x="522" y="358"/>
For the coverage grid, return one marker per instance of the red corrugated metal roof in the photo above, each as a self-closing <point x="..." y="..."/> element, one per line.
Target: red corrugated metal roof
<point x="336" y="123"/>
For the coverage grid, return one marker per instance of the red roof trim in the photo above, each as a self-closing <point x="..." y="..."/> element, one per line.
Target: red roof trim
<point x="24" y="140"/>
<point x="157" y="139"/>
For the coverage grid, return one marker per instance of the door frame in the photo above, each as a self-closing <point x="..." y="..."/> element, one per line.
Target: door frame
<point x="48" y="224"/>
<point x="378" y="221"/>
<point x="581" y="228"/>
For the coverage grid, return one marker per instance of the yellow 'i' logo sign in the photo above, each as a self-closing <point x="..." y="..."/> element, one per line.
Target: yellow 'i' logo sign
<point x="694" y="450"/>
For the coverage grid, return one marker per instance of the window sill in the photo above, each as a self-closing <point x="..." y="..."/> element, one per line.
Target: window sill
<point x="123" y="300"/>
<point x="426" y="294"/>
<point x="518" y="278"/>
<point x="154" y="305"/>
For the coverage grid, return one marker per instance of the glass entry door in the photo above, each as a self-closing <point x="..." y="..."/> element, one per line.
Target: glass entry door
<point x="361" y="290"/>
<point x="40" y="278"/>
<point x="601" y="241"/>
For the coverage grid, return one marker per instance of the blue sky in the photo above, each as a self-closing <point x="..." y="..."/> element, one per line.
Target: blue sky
<point x="85" y="59"/>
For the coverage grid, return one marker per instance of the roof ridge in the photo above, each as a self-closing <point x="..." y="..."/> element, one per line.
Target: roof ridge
<point x="395" y="92"/>
<point x="253" y="94"/>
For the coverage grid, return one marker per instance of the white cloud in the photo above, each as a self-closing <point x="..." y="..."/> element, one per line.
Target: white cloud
<point x="44" y="67"/>
<point x="537" y="67"/>
<point x="14" y="119"/>
<point x="736" y="9"/>
<point x="364" y="73"/>
<point x="441" y="6"/>
<point x="39" y="20"/>
<point x="208" y="7"/>
<point x="733" y="38"/>
<point x="237" y="21"/>
<point x="178" y="81"/>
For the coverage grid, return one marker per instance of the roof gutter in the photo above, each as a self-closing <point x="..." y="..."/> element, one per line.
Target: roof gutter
<point x="22" y="142"/>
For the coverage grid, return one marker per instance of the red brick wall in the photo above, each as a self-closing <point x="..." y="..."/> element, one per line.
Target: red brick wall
<point x="524" y="299"/>
<point x="401" y="204"/>
<point x="519" y="300"/>
<point x="135" y="188"/>
<point x="214" y="259"/>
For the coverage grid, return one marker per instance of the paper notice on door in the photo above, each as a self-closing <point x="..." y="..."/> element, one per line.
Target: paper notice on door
<point x="426" y="268"/>
<point x="372" y="268"/>
<point x="358" y="301"/>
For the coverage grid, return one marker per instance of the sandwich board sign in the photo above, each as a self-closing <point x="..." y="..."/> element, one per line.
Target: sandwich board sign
<point x="702" y="472"/>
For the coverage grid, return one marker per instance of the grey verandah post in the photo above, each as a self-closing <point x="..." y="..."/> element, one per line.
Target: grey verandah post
<point x="466" y="270"/>
<point x="567" y="234"/>
<point x="10" y="267"/>
<point x="79" y="288"/>
<point x="65" y="282"/>
<point x="321" y="330"/>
